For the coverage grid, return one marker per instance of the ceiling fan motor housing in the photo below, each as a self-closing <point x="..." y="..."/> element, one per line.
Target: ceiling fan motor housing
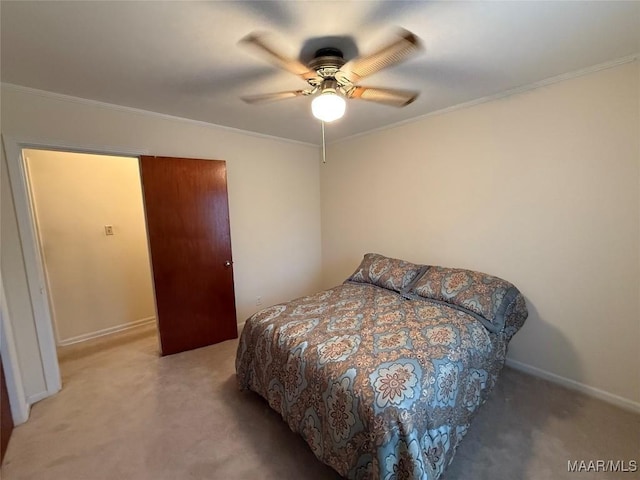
<point x="327" y="58"/>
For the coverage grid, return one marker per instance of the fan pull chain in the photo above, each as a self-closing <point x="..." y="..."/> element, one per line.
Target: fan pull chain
<point x="324" y="147"/>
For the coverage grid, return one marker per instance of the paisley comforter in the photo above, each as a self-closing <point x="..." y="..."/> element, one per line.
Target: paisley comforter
<point x="378" y="385"/>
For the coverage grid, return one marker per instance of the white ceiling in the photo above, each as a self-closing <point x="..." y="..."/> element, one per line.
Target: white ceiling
<point x="182" y="58"/>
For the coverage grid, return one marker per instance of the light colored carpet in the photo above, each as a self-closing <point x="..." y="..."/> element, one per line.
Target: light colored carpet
<point x="126" y="413"/>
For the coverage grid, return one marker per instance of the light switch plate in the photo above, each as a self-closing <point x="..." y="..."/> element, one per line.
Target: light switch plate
<point x="108" y="229"/>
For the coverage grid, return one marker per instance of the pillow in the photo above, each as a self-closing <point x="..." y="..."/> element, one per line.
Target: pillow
<point x="385" y="272"/>
<point x="492" y="300"/>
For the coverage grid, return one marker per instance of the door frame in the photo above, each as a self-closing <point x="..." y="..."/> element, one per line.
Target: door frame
<point x="31" y="251"/>
<point x="15" y="389"/>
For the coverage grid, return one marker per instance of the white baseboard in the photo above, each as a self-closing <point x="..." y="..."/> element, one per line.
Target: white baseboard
<point x="36" y="397"/>
<point x="13" y="379"/>
<point x="23" y="414"/>
<point x="107" y="331"/>
<point x="574" y="385"/>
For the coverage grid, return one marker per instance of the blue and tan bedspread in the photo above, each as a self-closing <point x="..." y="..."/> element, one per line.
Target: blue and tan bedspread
<point x="378" y="385"/>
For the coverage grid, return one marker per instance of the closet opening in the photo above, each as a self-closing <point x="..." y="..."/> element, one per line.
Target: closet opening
<point x="90" y="224"/>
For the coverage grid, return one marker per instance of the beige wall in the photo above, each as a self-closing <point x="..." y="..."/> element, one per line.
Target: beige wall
<point x="540" y="188"/>
<point x="274" y="191"/>
<point x="97" y="282"/>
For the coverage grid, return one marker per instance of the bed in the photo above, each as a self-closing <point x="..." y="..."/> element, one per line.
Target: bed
<point x="383" y="374"/>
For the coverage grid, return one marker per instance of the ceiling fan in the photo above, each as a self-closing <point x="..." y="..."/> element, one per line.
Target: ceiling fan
<point x="332" y="79"/>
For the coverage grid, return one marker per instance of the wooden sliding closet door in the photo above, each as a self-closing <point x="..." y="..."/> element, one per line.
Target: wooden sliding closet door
<point x="187" y="214"/>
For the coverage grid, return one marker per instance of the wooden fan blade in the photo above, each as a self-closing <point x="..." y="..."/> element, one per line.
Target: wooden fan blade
<point x="387" y="96"/>
<point x="272" y="97"/>
<point x="260" y="41"/>
<point x="395" y="52"/>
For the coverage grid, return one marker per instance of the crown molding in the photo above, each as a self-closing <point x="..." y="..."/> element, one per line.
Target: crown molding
<point x="148" y="113"/>
<point x="497" y="96"/>
<point x="489" y="98"/>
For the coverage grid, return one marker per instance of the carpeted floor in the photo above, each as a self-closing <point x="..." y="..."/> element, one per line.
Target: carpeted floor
<point x="126" y="413"/>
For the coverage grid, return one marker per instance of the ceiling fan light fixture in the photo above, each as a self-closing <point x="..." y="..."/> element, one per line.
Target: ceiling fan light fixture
<point x="328" y="106"/>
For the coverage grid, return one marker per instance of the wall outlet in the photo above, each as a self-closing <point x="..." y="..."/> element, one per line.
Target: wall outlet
<point x="258" y="301"/>
<point x="108" y="229"/>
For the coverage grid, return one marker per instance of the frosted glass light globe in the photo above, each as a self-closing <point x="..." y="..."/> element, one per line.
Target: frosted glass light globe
<point x="328" y="107"/>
